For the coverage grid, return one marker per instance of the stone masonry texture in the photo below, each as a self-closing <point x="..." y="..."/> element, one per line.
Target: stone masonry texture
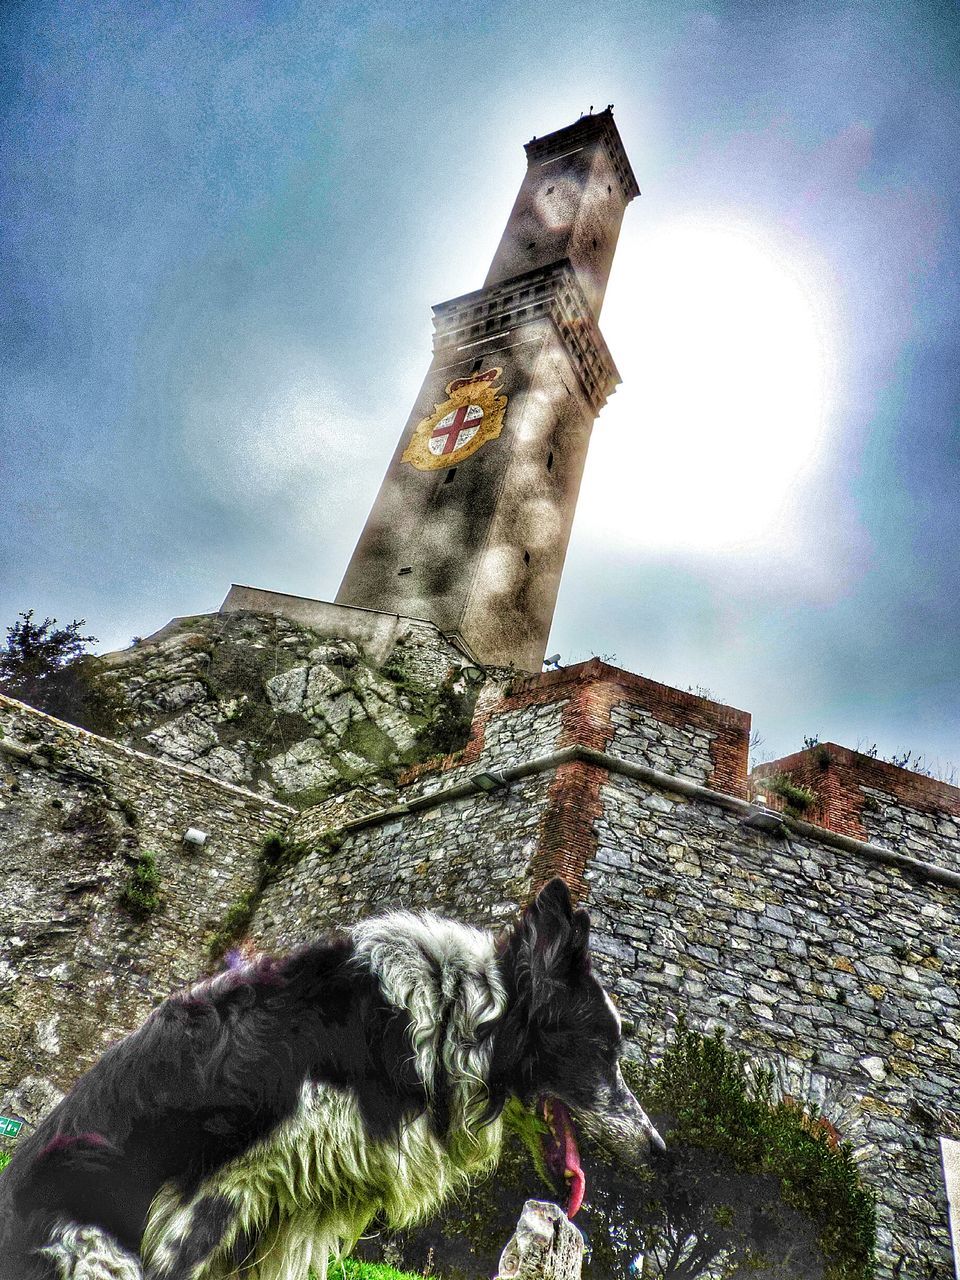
<point x="838" y="971"/>
<point x="815" y="955"/>
<point x="77" y="971"/>
<point x="874" y="800"/>
<point x="267" y="702"/>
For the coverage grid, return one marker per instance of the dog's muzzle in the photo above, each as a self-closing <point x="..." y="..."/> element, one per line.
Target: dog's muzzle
<point x="620" y="1126"/>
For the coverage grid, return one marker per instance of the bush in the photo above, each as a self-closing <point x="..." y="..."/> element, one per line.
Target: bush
<point x="141" y="895"/>
<point x="797" y="800"/>
<point x="724" y="1116"/>
<point x="277" y="854"/>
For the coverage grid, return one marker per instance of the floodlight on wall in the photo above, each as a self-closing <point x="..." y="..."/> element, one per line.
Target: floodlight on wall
<point x="472" y="673"/>
<point x="762" y="819"/>
<point x="194" y="838"/>
<point x="488" y="781"/>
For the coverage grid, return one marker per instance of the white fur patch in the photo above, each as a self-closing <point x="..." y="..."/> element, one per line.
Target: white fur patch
<point x="428" y="966"/>
<point x="87" y="1253"/>
<point x="615" y="1011"/>
<point x="312" y="1188"/>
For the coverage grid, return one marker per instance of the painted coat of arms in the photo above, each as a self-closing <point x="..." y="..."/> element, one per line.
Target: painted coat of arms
<point x="471" y="416"/>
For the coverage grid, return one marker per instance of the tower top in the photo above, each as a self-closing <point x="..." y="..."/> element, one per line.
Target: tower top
<point x="570" y="203"/>
<point x="585" y="130"/>
<point x="471" y="525"/>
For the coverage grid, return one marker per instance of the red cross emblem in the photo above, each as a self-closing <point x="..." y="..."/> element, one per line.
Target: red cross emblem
<point x="456" y="429"/>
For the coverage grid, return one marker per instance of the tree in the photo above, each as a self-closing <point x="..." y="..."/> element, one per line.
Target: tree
<point x="49" y="667"/>
<point x="36" y="652"/>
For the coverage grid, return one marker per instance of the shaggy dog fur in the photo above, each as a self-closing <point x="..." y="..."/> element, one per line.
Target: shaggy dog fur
<point x="257" y="1122"/>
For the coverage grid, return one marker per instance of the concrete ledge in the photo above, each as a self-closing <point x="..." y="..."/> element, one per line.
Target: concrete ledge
<point x="375" y="632"/>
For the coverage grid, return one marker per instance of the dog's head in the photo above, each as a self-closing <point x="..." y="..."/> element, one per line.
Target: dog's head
<point x="561" y="1043"/>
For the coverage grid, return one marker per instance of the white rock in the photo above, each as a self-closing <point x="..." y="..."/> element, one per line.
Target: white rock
<point x="875" y="1068"/>
<point x="305" y="765"/>
<point x="322" y="684"/>
<point x="226" y="765"/>
<point x="184" y="739"/>
<point x="177" y="696"/>
<point x="286" y="691"/>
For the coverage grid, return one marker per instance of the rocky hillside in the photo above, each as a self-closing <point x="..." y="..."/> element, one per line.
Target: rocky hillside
<point x="264" y="702"/>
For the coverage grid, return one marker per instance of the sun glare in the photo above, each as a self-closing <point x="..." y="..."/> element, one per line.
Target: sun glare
<point x="725" y="349"/>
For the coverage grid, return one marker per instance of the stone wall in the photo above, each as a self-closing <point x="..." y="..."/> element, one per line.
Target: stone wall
<point x="838" y="970"/>
<point x="814" y="953"/>
<point x="77" y="970"/>
<point x="470" y="857"/>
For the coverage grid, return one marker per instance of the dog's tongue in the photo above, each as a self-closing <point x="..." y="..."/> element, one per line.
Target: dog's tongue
<point x="573" y="1171"/>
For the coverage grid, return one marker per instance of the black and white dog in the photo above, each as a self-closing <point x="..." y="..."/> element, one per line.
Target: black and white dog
<point x="257" y="1122"/>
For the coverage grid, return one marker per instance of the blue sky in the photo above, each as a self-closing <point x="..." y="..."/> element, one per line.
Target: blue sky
<point x="223" y="228"/>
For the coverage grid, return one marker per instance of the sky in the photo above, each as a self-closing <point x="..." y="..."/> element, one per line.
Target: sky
<point x="223" y="226"/>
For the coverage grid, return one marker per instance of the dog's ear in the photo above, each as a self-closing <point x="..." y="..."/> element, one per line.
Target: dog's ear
<point x="554" y="897"/>
<point x="553" y="944"/>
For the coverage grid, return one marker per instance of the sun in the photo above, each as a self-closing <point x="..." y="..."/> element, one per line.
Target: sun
<point x="723" y="337"/>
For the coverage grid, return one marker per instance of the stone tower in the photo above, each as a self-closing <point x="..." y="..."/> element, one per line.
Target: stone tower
<point x="471" y="524"/>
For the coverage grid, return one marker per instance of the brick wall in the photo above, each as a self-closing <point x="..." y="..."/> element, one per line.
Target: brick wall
<point x="871" y="799"/>
<point x="605" y="709"/>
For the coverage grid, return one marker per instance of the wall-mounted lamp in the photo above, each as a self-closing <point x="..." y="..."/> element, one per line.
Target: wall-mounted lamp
<point x="194" y="837"/>
<point x="473" y="674"/>
<point x="489" y="780"/>
<point x="762" y="819"/>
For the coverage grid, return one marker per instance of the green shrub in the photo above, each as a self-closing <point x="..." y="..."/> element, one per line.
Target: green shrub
<point x="449" y="717"/>
<point x="277" y="854"/>
<point x="234" y="924"/>
<point x="715" y="1105"/>
<point x="141" y="895"/>
<point x="797" y="800"/>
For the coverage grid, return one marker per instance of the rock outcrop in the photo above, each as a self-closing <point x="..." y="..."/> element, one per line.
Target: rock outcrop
<point x="265" y="702"/>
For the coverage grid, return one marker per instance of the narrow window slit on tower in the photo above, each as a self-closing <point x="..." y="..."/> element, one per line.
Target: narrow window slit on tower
<point x="532" y="244"/>
<point x="406" y="569"/>
<point x="549" y="190"/>
<point x="550" y="461"/>
<point x="450" y="474"/>
<point x="477" y="365"/>
<point x="526" y="557"/>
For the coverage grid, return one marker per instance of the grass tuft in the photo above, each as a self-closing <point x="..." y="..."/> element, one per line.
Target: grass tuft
<point x="351" y="1269"/>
